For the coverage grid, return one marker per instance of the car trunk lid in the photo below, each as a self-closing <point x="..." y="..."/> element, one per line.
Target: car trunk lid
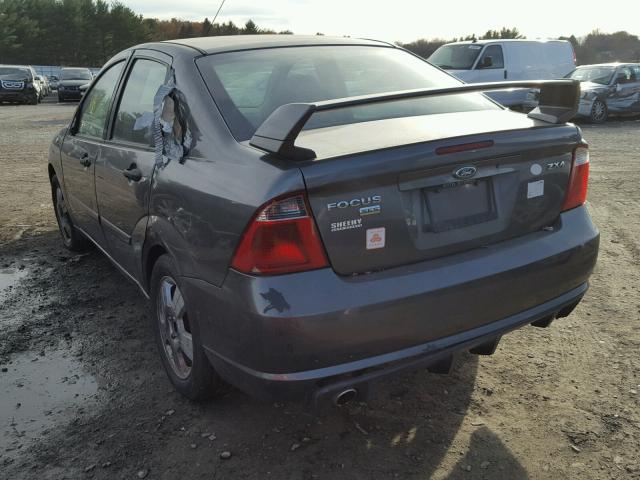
<point x="393" y="192"/>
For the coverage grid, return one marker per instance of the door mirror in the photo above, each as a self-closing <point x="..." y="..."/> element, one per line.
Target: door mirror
<point x="486" y="62"/>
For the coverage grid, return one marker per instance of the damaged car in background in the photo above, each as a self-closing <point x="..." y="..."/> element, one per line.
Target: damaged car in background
<point x="309" y="215"/>
<point x="606" y="89"/>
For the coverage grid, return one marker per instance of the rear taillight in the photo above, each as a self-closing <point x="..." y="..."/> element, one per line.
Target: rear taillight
<point x="282" y="238"/>
<point x="578" y="179"/>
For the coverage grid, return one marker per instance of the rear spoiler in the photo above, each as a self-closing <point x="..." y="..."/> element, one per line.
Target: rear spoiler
<point x="558" y="103"/>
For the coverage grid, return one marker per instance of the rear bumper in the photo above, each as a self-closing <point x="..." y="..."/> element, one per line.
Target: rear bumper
<point x="320" y="387"/>
<point x="286" y="336"/>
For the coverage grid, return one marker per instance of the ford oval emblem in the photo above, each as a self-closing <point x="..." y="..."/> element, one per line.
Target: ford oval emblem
<point x="465" y="172"/>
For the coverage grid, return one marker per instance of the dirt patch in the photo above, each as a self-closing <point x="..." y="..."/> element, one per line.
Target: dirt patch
<point x="37" y="392"/>
<point x="550" y="403"/>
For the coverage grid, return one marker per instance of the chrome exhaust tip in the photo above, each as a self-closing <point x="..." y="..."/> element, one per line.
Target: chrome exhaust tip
<point x="345" y="397"/>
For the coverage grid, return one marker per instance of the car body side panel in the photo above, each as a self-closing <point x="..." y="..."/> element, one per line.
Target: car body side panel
<point x="210" y="197"/>
<point x="122" y="203"/>
<point x="78" y="156"/>
<point x="198" y="208"/>
<point x="208" y="204"/>
<point x="625" y="98"/>
<point x="54" y="155"/>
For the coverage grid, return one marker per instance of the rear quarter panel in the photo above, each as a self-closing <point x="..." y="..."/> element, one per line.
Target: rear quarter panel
<point x="199" y="208"/>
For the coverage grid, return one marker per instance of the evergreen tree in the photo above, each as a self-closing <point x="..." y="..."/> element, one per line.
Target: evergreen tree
<point x="250" y="28"/>
<point x="503" y="33"/>
<point x="186" y="30"/>
<point x="8" y="37"/>
<point x="207" y="28"/>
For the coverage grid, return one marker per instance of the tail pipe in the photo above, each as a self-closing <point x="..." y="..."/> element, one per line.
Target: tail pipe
<point x="345" y="396"/>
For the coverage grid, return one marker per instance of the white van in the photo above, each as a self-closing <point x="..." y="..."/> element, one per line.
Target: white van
<point x="499" y="60"/>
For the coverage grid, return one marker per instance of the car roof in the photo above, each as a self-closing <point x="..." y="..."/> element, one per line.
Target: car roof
<point x="14" y="66"/>
<point x="507" y="40"/>
<point x="218" y="44"/>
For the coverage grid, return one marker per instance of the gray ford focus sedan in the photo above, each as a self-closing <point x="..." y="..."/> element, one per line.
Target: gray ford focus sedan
<point x="308" y="215"/>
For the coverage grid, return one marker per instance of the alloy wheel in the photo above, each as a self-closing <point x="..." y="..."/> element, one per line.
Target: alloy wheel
<point x="598" y="111"/>
<point x="175" y="330"/>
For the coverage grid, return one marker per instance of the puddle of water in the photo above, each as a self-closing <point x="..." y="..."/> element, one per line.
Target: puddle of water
<point x="36" y="392"/>
<point x="9" y="277"/>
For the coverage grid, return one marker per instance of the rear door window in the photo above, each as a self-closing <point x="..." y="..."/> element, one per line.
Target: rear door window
<point x="624" y="75"/>
<point x="95" y="107"/>
<point x="135" y="112"/>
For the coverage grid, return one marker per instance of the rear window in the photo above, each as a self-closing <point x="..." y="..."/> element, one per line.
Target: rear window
<point x="76" y="74"/>
<point x="249" y="85"/>
<point x="599" y="74"/>
<point x="15" y="72"/>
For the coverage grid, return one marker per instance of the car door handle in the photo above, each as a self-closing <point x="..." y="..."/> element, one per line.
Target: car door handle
<point x="133" y="173"/>
<point x="85" y="161"/>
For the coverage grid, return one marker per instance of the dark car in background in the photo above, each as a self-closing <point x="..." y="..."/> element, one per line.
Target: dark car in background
<point x="17" y="85"/>
<point x="309" y="215"/>
<point x="71" y="79"/>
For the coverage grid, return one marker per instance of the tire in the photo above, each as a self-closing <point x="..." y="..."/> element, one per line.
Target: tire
<point x="72" y="239"/>
<point x="599" y="112"/>
<point x="177" y="337"/>
<point x="33" y="100"/>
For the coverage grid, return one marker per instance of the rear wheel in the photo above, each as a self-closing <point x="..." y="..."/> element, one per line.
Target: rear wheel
<point x="599" y="111"/>
<point x="178" y="337"/>
<point x="71" y="238"/>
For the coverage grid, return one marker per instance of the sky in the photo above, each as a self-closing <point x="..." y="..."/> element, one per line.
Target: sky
<point x="407" y="20"/>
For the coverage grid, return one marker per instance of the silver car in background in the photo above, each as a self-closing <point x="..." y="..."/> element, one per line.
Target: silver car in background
<point x="606" y="89"/>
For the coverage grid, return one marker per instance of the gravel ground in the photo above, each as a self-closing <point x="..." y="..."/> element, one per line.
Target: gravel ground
<point x="83" y="394"/>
